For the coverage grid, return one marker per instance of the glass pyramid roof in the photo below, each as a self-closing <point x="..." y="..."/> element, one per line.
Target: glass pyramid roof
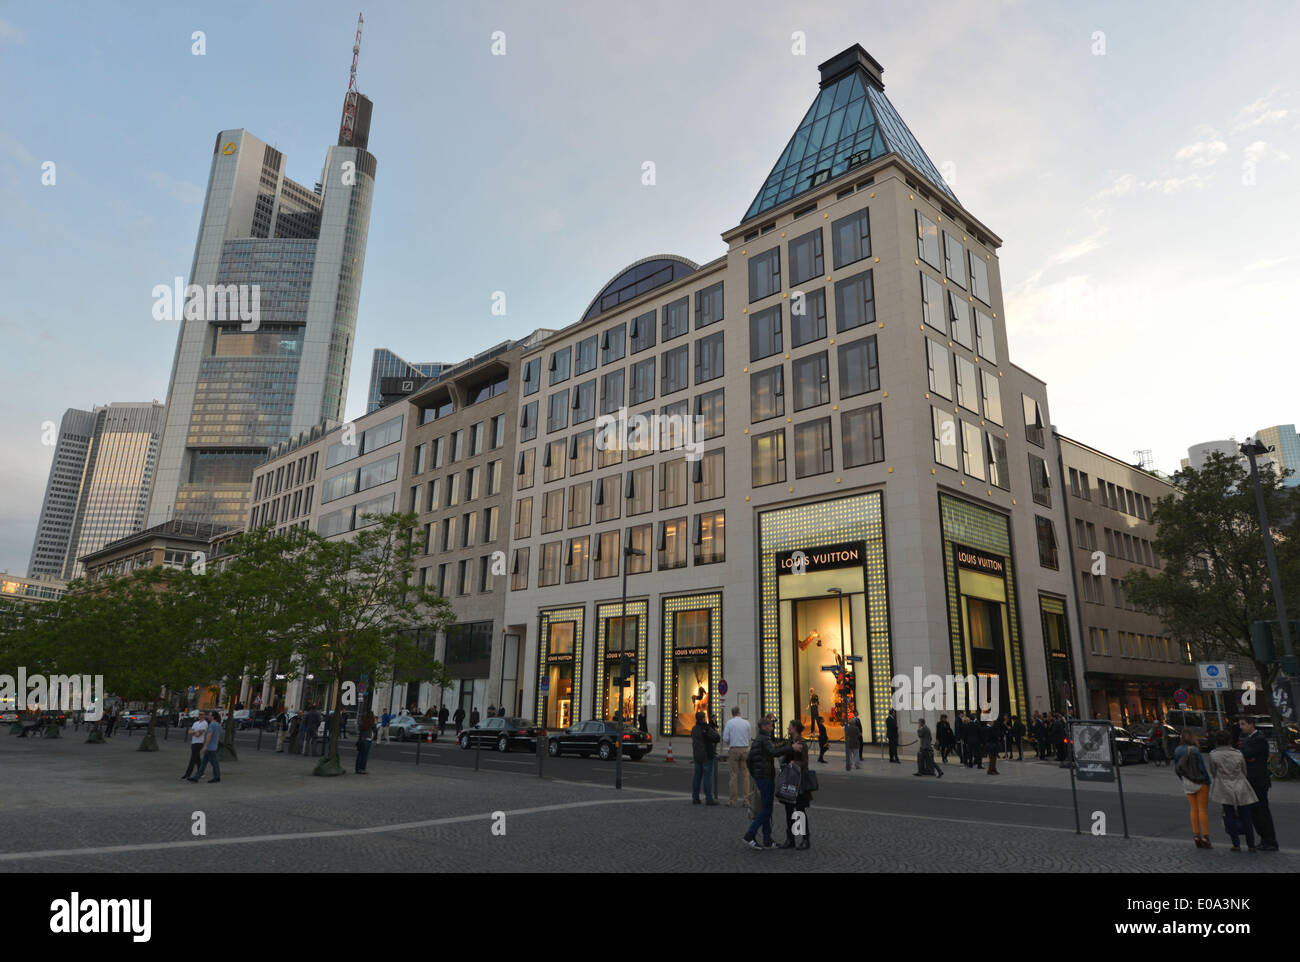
<point x="850" y="123"/>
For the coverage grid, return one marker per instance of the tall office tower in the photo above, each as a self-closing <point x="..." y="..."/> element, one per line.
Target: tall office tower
<point x="239" y="385"/>
<point x="1285" y="454"/>
<point x="389" y="375"/>
<point x="62" y="491"/>
<point x="99" y="484"/>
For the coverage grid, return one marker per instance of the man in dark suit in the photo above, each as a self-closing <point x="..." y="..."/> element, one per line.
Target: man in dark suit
<point x="1254" y="747"/>
<point x="891" y="735"/>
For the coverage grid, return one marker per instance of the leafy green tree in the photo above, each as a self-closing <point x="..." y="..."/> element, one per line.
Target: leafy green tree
<point x="1215" y="579"/>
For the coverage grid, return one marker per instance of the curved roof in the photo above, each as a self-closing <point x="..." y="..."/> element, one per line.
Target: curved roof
<point x="637" y="279"/>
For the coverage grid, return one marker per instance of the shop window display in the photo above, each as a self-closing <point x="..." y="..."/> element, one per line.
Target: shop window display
<point x="820" y="645"/>
<point x="620" y="639"/>
<point x="693" y="686"/>
<point x="559" y="669"/>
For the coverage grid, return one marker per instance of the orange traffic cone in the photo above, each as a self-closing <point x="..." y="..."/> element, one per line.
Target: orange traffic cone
<point x="670" y="753"/>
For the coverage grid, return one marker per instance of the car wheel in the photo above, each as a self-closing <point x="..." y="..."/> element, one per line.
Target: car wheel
<point x="503" y="744"/>
<point x="464" y="742"/>
<point x="606" y="751"/>
<point x="553" y="748"/>
<point x="1278" y="766"/>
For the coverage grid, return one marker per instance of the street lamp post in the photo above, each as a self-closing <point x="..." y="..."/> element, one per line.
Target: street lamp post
<point x="628" y="553"/>
<point x="1251" y="450"/>
<point x="844" y="672"/>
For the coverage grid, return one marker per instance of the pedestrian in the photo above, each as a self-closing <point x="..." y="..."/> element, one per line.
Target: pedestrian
<point x="384" y="721"/>
<point x="853" y="740"/>
<point x="1056" y="735"/>
<point x="925" y="752"/>
<point x="1192" y="772"/>
<point x="295" y="728"/>
<point x="1229" y="788"/>
<point x="1017" y="740"/>
<point x="281" y="725"/>
<point x="365" y="736"/>
<point x="492" y="710"/>
<point x="211" y="743"/>
<point x="814" y="713"/>
<point x="799" y="757"/>
<point x="501" y="712"/>
<point x="643" y="723"/>
<point x="704" y="740"/>
<point x="891" y="735"/>
<point x="763" y="752"/>
<point x="473" y="717"/>
<point x="1255" y="750"/>
<point x="974" y="732"/>
<point x="997" y="739"/>
<point x="112" y="721"/>
<point x="960" y="735"/>
<point x="943" y="734"/>
<point x="459" y="718"/>
<point x="198" y="732"/>
<point x="443" y="715"/>
<point x="735" y="738"/>
<point x="311" y="728"/>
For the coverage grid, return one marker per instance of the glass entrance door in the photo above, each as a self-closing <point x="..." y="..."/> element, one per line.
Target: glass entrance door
<point x="987" y="641"/>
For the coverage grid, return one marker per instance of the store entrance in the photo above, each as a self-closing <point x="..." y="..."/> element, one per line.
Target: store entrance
<point x="984" y="620"/>
<point x="823" y="642"/>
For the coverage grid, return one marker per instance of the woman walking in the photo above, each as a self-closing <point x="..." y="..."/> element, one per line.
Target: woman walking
<point x="798" y="755"/>
<point x="1231" y="790"/>
<point x="1190" y="767"/>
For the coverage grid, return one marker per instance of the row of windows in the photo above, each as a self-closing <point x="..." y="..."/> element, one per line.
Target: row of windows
<point x="451" y="448"/>
<point x="372" y="439"/>
<point x="1118" y="543"/>
<point x="948" y="314"/>
<point x="954" y="259"/>
<point x="476" y="482"/>
<point x="1110" y="495"/>
<point x="285" y="476"/>
<point x="850" y="243"/>
<point x="360" y="479"/>
<point x="460" y="579"/>
<point x="982" y="455"/>
<point x="859" y="373"/>
<point x="356" y="516"/>
<point x="464" y="531"/>
<point x="282" y="508"/>
<point x="1134" y="645"/>
<point x="861" y="435"/>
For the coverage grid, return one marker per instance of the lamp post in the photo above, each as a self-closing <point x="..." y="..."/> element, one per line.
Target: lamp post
<point x="1251" y="450"/>
<point x="628" y="553"/>
<point x="844" y="672"/>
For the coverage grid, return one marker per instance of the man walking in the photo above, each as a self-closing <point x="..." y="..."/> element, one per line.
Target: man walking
<point x="735" y="738"/>
<point x="853" y="740"/>
<point x="1017" y="739"/>
<point x="311" y="725"/>
<point x="198" y="732"/>
<point x="925" y="753"/>
<point x="364" y="738"/>
<point x="112" y="721"/>
<point x="473" y="717"/>
<point x="443" y="715"/>
<point x="891" y="735"/>
<point x="704" y="739"/>
<point x="384" y="721"/>
<point x="974" y="732"/>
<point x="762" y="755"/>
<point x="1254" y="748"/>
<point x="459" y="718"/>
<point x="212" y="742"/>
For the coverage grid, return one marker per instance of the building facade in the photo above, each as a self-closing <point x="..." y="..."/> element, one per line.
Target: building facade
<point x="867" y="483"/>
<point x="172" y="544"/>
<point x="1284" y="450"/>
<point x="32" y="587"/>
<point x="62" y="492"/>
<point x="392" y="378"/>
<point x="292" y="258"/>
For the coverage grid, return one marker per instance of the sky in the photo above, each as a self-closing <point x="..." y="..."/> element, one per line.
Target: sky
<point x="1137" y="160"/>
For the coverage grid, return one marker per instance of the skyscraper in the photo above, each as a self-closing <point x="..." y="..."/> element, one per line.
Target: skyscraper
<point x="387" y="366"/>
<point x="99" y="484"/>
<point x="295" y="254"/>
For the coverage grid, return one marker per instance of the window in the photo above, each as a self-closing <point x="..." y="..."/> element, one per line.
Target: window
<point x="1039" y="481"/>
<point x="676" y="371"/>
<point x="967" y="385"/>
<point x="609" y="443"/>
<point x="548" y="566"/>
<point x="381" y="435"/>
<point x="497" y="432"/>
<point x="607" y="553"/>
<point x="854" y="302"/>
<point x="927" y="241"/>
<point x="552" y="511"/>
<point x="532" y="376"/>
<point x="553" y="457"/>
<point x="984" y="343"/>
<point x="807" y="317"/>
<point x="708" y="358"/>
<point x="995" y="452"/>
<point x="557" y="411"/>
<point x="473" y="478"/>
<point x="677" y="318"/>
<point x="812" y="448"/>
<point x="643" y="381"/>
<point x="992" y="393"/>
<point x="932" y="312"/>
<point x="944" y="426"/>
<point x="559" y="366"/>
<point x="582" y="449"/>
<point x="711" y="410"/>
<point x="377" y="472"/>
<point x="613" y="344"/>
<point x="672" y="544"/>
<point x="580" y="505"/>
<point x="936" y="356"/>
<point x="468" y="522"/>
<point x="584" y="357"/>
<point x="863" y="436"/>
<point x="448" y="533"/>
<point x="806" y="257"/>
<point x="708" y="305"/>
<point x="494" y="477"/>
<point x="767" y="394"/>
<point x="642" y="331"/>
<point x="639" y="490"/>
<point x="524" y="471"/>
<point x="675" y="425"/>
<point x="767" y="457"/>
<point x="672" y="484"/>
<point x="1085" y="486"/>
<point x="1092" y="535"/>
<point x="339" y="486"/>
<point x="437" y="452"/>
<point x="421" y="452"/>
<point x="1033" y="420"/>
<point x="640" y="435"/>
<point x="859" y="367"/>
<point x="972" y="450"/>
<point x="611" y="392"/>
<point x="710" y="538"/>
<point x="584" y="401"/>
<point x="850" y="239"/>
<point x="708" y="476"/>
<point x="979" y="277"/>
<point x="457" y="437"/>
<point x="764" y="274"/>
<point x="485" y="573"/>
<point x="523" y="518"/>
<point x="959" y="315"/>
<point x="608" y="500"/>
<point x="638" y="539"/>
<point x="954" y="259"/>
<point x="765" y="333"/>
<point x="812" y="381"/>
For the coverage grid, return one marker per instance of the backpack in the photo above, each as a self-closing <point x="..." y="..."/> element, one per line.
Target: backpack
<point x="1185" y="768"/>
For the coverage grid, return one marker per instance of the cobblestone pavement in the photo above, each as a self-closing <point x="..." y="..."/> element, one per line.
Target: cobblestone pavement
<point x="108" y="808"/>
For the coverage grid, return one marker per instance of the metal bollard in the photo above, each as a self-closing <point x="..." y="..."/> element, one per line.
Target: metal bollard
<point x="417" y="751"/>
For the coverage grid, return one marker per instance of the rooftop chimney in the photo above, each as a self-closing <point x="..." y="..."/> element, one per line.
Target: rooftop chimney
<point x="853" y="58"/>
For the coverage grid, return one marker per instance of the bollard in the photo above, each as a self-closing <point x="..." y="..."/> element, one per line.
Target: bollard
<point x="477" y="752"/>
<point x="259" y="739"/>
<point x="541" y="752"/>
<point x="417" y="751"/>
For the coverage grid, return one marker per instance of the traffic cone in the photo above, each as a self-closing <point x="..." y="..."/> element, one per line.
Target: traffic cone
<point x="428" y="739"/>
<point x="670" y="753"/>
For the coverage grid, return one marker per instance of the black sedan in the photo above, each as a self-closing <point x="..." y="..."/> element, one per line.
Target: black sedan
<point x="599" y="738"/>
<point x="502" y="734"/>
<point x="1129" y="749"/>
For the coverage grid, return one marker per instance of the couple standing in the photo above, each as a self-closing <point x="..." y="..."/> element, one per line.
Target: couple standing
<point x="205" y="739"/>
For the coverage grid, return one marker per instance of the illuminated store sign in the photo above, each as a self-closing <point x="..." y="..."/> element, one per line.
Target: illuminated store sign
<point x="979" y="561"/>
<point x="805" y="560"/>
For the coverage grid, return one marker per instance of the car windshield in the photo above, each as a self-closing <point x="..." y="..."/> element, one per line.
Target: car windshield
<point x="518" y="723"/>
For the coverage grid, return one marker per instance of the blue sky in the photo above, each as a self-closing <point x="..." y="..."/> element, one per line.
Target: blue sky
<point x="1143" y="195"/>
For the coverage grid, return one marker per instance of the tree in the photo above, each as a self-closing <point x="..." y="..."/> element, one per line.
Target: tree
<point x="1215" y="580"/>
<point x="358" y="612"/>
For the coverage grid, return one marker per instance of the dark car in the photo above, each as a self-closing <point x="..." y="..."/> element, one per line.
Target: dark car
<point x="502" y="734"/>
<point x="1129" y="748"/>
<point x="599" y="738"/>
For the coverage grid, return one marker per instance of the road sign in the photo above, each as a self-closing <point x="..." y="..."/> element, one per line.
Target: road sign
<point x="1180" y="697"/>
<point x="362" y="689"/>
<point x="722" y="687"/>
<point x="1092" y="748"/>
<point x="1213" y="676"/>
<point x="546" y="685"/>
<point x="853" y="658"/>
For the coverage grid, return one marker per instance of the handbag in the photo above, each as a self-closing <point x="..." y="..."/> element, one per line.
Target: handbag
<point x="1189" y="772"/>
<point x="809" y="783"/>
<point x="788" y="782"/>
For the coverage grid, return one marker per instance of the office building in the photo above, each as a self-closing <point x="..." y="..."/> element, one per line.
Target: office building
<point x="393" y="378"/>
<point x="1284" y="445"/>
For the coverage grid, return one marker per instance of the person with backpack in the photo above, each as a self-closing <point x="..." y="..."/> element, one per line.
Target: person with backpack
<point x="799" y="760"/>
<point x="762" y="756"/>
<point x="704" y="741"/>
<point x="1192" y="772"/>
<point x="1232" y="790"/>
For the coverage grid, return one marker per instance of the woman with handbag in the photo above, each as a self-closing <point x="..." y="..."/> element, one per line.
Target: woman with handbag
<point x="798" y="757"/>
<point x="1192" y="772"/>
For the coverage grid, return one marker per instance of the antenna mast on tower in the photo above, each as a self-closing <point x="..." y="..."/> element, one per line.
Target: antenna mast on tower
<point x="350" y="99"/>
<point x="356" y="51"/>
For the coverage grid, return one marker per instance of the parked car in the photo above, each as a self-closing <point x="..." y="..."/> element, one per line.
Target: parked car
<point x="408" y="727"/>
<point x="502" y="734"/>
<point x="243" y="719"/>
<point x="1202" y="724"/>
<point x="134" y="719"/>
<point x="598" y="738"/>
<point x="1129" y="749"/>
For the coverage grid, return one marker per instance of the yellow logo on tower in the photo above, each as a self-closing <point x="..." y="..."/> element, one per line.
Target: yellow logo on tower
<point x="228" y="148"/>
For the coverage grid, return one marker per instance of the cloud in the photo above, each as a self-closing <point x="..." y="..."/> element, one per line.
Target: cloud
<point x="1202" y="153"/>
<point x="9" y="31"/>
<point x="1262" y="150"/>
<point x="1128" y="184"/>
<point x="1265" y="110"/>
<point x="1079" y="248"/>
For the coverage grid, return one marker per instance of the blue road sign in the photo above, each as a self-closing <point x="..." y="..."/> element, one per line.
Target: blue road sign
<point x="722" y="687"/>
